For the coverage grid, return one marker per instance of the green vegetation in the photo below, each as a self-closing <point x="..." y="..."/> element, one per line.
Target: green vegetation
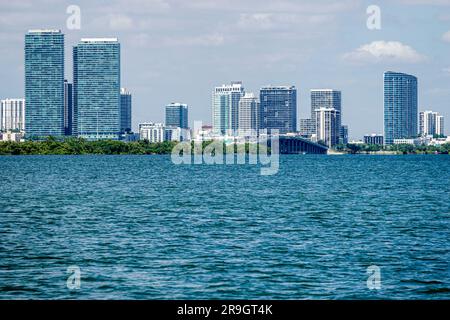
<point x="399" y="149"/>
<point x="74" y="146"/>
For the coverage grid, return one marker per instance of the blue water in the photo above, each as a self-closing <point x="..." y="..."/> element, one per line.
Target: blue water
<point x="139" y="227"/>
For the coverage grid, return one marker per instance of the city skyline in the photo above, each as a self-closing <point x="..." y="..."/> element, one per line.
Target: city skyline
<point x="411" y="40"/>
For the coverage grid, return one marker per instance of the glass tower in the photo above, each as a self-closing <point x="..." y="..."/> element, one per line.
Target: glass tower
<point x="44" y="83"/>
<point x="278" y="108"/>
<point x="326" y="98"/>
<point x="68" y="108"/>
<point x="96" y="81"/>
<point x="400" y="106"/>
<point x="177" y="115"/>
<point x="125" y="111"/>
<point x="226" y="107"/>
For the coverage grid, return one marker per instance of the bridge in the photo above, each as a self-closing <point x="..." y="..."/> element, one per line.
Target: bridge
<point x="299" y="145"/>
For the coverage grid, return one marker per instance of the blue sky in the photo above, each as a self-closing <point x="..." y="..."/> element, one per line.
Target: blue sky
<point x="178" y="50"/>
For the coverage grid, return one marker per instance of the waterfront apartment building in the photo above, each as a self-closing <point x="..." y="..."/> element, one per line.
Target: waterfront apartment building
<point x="96" y="81"/>
<point x="328" y="99"/>
<point x="248" y="114"/>
<point x="12" y="115"/>
<point x="44" y="83"/>
<point x="376" y="139"/>
<point x="343" y="134"/>
<point x="431" y="123"/>
<point x="307" y="127"/>
<point x="153" y="132"/>
<point x="68" y="108"/>
<point x="125" y="111"/>
<point x="327" y="126"/>
<point x="177" y="115"/>
<point x="400" y="106"/>
<point x="278" y="108"/>
<point x="225" y="105"/>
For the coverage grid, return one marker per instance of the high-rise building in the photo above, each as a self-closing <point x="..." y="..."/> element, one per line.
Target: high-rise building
<point x="125" y="111"/>
<point x="343" y="134"/>
<point x="278" y="108"/>
<point x="329" y="99"/>
<point x="327" y="126"/>
<point x="376" y="139"/>
<point x="307" y="127"/>
<point x="96" y="80"/>
<point x="44" y="83"/>
<point x="68" y="108"/>
<point x="12" y="115"/>
<point x="177" y="115"/>
<point x="400" y="106"/>
<point x="431" y="123"/>
<point x="248" y="114"/>
<point x="225" y="104"/>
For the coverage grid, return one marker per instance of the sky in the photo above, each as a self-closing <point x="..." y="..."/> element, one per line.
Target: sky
<point x="179" y="50"/>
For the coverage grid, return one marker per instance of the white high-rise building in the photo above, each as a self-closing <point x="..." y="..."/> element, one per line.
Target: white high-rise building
<point x="431" y="123"/>
<point x="225" y="104"/>
<point x="248" y="114"/>
<point x="327" y="126"/>
<point x="12" y="115"/>
<point x="153" y="132"/>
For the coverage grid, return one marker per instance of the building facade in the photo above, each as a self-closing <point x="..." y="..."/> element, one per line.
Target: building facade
<point x="248" y="114"/>
<point x="278" y="109"/>
<point x="153" y="132"/>
<point x="327" y="126"/>
<point x="343" y="134"/>
<point x="431" y="123"/>
<point x="44" y="83"/>
<point x="376" y="139"/>
<point x="12" y="115"/>
<point x="400" y="106"/>
<point x="68" y="108"/>
<point x="125" y="111"/>
<point x="177" y="115"/>
<point x="96" y="74"/>
<point x="225" y="104"/>
<point x="307" y="127"/>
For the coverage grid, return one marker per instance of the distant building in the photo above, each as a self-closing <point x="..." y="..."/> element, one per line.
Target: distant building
<point x="153" y="132"/>
<point x="44" y="83"/>
<point x="172" y="133"/>
<point x="96" y="74"/>
<point x="376" y="139"/>
<point x="278" y="109"/>
<point x="226" y="107"/>
<point x="248" y="114"/>
<point x="307" y="127"/>
<point x="125" y="111"/>
<point x="400" y="106"/>
<point x="177" y="115"/>
<point x="68" y="108"/>
<point x="327" y="126"/>
<point x="343" y="134"/>
<point x="12" y="115"/>
<point x="11" y="136"/>
<point x="431" y="123"/>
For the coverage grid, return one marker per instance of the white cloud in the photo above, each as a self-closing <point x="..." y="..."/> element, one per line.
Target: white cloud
<point x="378" y="51"/>
<point x="120" y="22"/>
<point x="203" y="40"/>
<point x="446" y="71"/>
<point x="446" y="36"/>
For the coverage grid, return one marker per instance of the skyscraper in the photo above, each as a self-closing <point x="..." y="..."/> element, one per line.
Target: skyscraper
<point x="226" y="107"/>
<point x="248" y="114"/>
<point x="327" y="126"/>
<point x="431" y="123"/>
<point x="44" y="83"/>
<point x="400" y="106"/>
<point x="96" y="74"/>
<point x="12" y="115"/>
<point x="125" y="111"/>
<point x="177" y="115"/>
<point x="329" y="99"/>
<point x="68" y="108"/>
<point x="278" y="108"/>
